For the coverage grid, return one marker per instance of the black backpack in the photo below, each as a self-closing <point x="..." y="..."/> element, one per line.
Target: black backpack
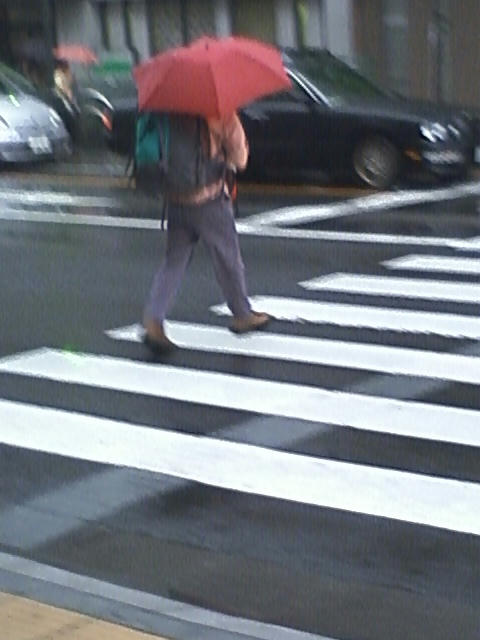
<point x="172" y="155"/>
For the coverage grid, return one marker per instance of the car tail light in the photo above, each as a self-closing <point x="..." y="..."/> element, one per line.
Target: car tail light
<point x="106" y="121"/>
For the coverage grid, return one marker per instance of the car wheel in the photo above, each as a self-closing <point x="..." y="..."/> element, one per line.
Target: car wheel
<point x="376" y="162"/>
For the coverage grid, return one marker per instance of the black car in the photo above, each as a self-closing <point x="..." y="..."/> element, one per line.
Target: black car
<point x="333" y="121"/>
<point x="110" y="101"/>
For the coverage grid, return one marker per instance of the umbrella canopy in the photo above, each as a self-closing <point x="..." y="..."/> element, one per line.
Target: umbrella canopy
<point x="211" y="77"/>
<point x="75" y="53"/>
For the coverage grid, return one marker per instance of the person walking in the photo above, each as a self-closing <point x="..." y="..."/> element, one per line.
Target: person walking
<point x="205" y="215"/>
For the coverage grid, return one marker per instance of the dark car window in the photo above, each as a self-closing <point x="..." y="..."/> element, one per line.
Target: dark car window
<point x="12" y="82"/>
<point x="4" y="90"/>
<point x="294" y="95"/>
<point x="334" y="79"/>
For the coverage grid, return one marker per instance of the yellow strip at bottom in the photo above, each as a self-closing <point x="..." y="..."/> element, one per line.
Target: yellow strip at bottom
<point x="23" y="619"/>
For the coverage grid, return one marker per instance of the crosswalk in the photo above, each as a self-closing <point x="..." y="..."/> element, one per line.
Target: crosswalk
<point x="437" y="264"/>
<point x="396" y="287"/>
<point x="368" y="490"/>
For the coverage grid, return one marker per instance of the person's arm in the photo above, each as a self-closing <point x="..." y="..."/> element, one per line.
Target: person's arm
<point x="235" y="142"/>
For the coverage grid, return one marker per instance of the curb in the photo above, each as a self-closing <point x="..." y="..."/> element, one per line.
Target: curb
<point x="134" y="609"/>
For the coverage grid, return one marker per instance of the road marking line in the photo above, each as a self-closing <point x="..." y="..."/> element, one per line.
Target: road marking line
<point x="308" y="213"/>
<point x="460" y="244"/>
<point x="435" y="263"/>
<point x="375" y="491"/>
<point x="379" y="318"/>
<point x="79" y="219"/>
<point x="27" y="197"/>
<point x="356" y="206"/>
<point x="391" y="286"/>
<point x="384" y="415"/>
<point x="369" y="357"/>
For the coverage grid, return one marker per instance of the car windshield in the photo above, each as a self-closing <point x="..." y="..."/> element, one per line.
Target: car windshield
<point x="334" y="79"/>
<point x="14" y="83"/>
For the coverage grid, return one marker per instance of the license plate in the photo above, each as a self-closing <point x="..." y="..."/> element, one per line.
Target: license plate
<point x="477" y="155"/>
<point x="40" y="144"/>
<point x="444" y="157"/>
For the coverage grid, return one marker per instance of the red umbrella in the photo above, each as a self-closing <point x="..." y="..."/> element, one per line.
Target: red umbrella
<point x="75" y="53"/>
<point x="211" y="77"/>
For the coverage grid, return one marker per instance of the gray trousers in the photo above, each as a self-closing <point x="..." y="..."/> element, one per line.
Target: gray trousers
<point x="213" y="223"/>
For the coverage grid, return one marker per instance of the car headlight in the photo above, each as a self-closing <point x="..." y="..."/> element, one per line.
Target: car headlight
<point x="433" y="131"/>
<point x="55" y="119"/>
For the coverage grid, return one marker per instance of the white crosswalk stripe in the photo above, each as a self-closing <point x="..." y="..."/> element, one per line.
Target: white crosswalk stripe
<point x="354" y="355"/>
<point x="385" y="415"/>
<point x="396" y="287"/>
<point x="380" y="492"/>
<point x="457" y="265"/>
<point x="361" y="316"/>
<point x="418" y="498"/>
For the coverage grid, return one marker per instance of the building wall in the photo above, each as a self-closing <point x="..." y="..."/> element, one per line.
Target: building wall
<point x="422" y="43"/>
<point x="254" y="19"/>
<point x="200" y="18"/>
<point x="27" y="38"/>
<point x="395" y="40"/>
<point x="78" y="22"/>
<point x="165" y="24"/>
<point x="435" y="58"/>
<point x="368" y="39"/>
<point x="155" y="25"/>
<point x="463" y="75"/>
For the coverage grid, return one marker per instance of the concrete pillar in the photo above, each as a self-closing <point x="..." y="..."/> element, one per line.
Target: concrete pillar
<point x="139" y="27"/>
<point x="77" y="21"/>
<point x="315" y="29"/>
<point x="223" y="18"/>
<point x="285" y="24"/>
<point x="339" y="27"/>
<point x="115" y="26"/>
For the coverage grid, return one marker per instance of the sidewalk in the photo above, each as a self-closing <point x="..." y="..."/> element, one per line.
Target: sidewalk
<point x="23" y="619"/>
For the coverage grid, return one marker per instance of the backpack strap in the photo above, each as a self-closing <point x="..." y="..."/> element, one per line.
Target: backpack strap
<point x="164" y="138"/>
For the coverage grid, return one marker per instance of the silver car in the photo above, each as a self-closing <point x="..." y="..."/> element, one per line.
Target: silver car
<point x="30" y="129"/>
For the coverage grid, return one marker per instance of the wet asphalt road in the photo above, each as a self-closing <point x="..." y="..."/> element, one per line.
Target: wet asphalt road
<point x="334" y="570"/>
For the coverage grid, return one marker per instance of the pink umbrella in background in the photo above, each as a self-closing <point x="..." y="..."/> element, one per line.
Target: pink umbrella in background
<point x="75" y="53"/>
